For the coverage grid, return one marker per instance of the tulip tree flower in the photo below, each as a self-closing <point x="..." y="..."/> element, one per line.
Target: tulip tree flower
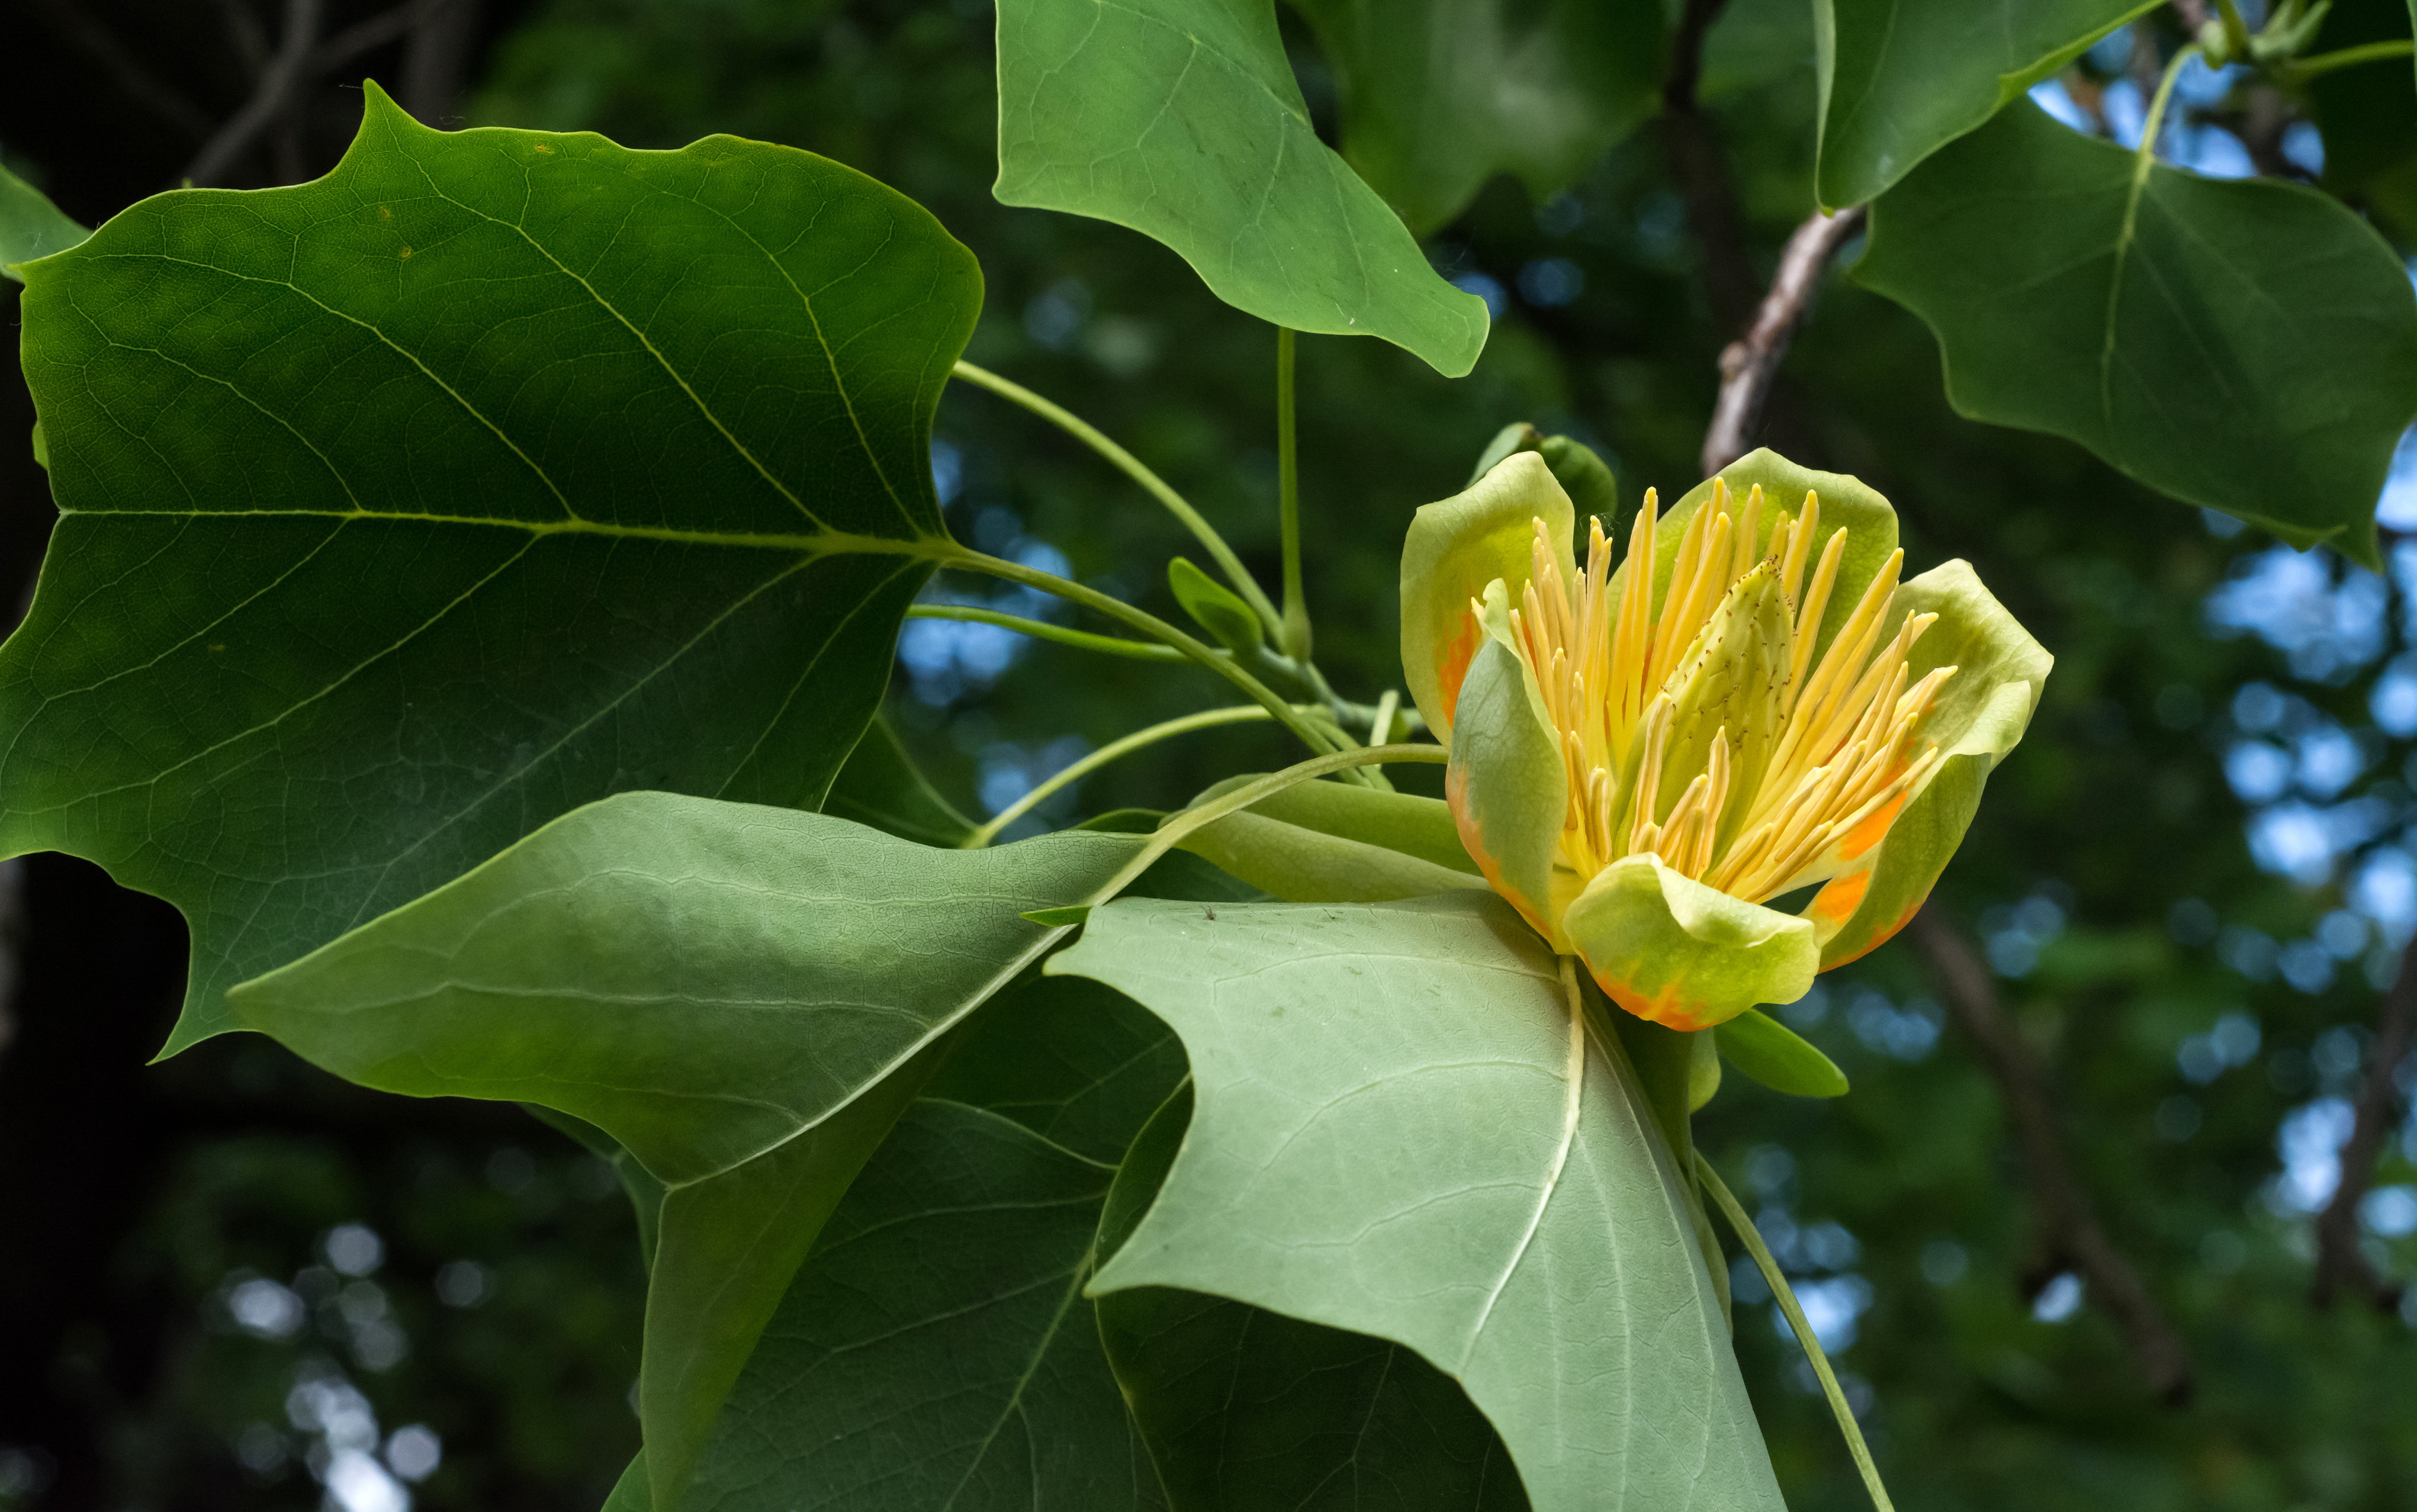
<point x="1752" y="705"/>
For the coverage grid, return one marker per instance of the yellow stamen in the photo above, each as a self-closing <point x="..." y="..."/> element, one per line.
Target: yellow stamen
<point x="1837" y="740"/>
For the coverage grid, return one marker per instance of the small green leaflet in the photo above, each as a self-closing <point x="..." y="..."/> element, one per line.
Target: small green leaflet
<point x="1900" y="79"/>
<point x="2246" y="346"/>
<point x="744" y="997"/>
<point x="495" y="473"/>
<point x="1182" y="120"/>
<point x="1390" y="1139"/>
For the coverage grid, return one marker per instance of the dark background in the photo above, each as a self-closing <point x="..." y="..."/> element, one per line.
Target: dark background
<point x="186" y="1320"/>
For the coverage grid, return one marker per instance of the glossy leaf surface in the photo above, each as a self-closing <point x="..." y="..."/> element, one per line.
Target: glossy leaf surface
<point x="2246" y="346"/>
<point x="1900" y="79"/>
<point x="1181" y="119"/>
<point x="745" y="997"/>
<point x="1439" y="95"/>
<point x="493" y="473"/>
<point x="1390" y="1139"/>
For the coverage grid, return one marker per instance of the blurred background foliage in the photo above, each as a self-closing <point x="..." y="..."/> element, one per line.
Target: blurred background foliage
<point x="230" y="1281"/>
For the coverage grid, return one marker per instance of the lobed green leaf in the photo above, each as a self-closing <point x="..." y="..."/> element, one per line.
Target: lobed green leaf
<point x="1390" y="1139"/>
<point x="493" y="472"/>
<point x="2245" y="345"/>
<point x="1182" y="120"/>
<point x="743" y="997"/>
<point x="1900" y="79"/>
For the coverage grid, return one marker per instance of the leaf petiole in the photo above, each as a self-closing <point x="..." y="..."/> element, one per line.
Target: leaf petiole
<point x="2399" y="46"/>
<point x="1316" y="737"/>
<point x="1113" y="645"/>
<point x="1751" y="1238"/>
<point x="1295" y="631"/>
<point x="1133" y="467"/>
<point x="1206" y="718"/>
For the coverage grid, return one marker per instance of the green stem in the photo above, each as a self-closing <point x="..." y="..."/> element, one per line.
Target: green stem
<point x="1149" y="624"/>
<point x="1751" y="1238"/>
<point x="2236" y="30"/>
<point x="1132" y="467"/>
<point x="2147" y="154"/>
<point x="1041" y="630"/>
<point x="1205" y="719"/>
<point x="2348" y="57"/>
<point x="1177" y="826"/>
<point x="1296" y="606"/>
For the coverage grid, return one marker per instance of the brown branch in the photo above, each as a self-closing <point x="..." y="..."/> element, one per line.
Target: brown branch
<point x="2340" y="1264"/>
<point x="1748" y="365"/>
<point x="268" y="101"/>
<point x="2193" y="12"/>
<point x="386" y="27"/>
<point x="125" y="70"/>
<point x="2067" y="1232"/>
<point x="1702" y="172"/>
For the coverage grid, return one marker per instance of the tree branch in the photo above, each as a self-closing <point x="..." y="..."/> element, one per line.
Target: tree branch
<point x="1702" y="174"/>
<point x="125" y="70"/>
<point x="2340" y="1265"/>
<point x="277" y="82"/>
<point x="381" y="30"/>
<point x="1749" y="364"/>
<point x="2068" y="1232"/>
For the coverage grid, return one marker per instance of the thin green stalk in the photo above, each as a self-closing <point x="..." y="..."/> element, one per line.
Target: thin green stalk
<point x="1208" y="718"/>
<point x="1042" y="631"/>
<point x="2236" y="30"/>
<point x="2348" y="57"/>
<point x="1177" y="826"/>
<point x="1313" y="736"/>
<point x="1380" y="730"/>
<point x="1296" y="606"/>
<point x="2147" y="152"/>
<point x="1131" y="466"/>
<point x="1751" y="1238"/>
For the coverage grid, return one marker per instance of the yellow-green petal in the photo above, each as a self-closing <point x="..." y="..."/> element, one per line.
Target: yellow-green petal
<point x="1507" y="785"/>
<point x="1455" y="549"/>
<point x="1672" y="950"/>
<point x="1980" y="717"/>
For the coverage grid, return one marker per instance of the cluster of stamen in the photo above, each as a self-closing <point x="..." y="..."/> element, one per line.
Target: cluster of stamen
<point x="1808" y="762"/>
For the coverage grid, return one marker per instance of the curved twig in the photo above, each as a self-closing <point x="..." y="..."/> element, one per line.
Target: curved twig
<point x="277" y="83"/>
<point x="1749" y="364"/>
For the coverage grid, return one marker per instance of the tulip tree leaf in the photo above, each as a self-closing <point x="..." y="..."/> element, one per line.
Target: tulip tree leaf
<point x="2247" y="345"/>
<point x="30" y="225"/>
<point x="935" y="1350"/>
<point x="1181" y="119"/>
<point x="495" y="473"/>
<point x="1438" y="96"/>
<point x="745" y="997"/>
<point x="1246" y="1408"/>
<point x="1389" y="1141"/>
<point x="1901" y="78"/>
